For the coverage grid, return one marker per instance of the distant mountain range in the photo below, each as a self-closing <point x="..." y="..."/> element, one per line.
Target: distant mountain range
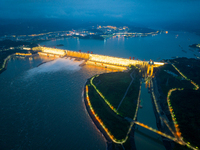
<point x="35" y="26"/>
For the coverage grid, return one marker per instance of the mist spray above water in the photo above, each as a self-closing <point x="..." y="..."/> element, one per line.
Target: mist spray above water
<point x="55" y="66"/>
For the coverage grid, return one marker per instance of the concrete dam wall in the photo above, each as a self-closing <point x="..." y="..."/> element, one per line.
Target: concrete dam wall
<point x="78" y="54"/>
<point x="93" y="59"/>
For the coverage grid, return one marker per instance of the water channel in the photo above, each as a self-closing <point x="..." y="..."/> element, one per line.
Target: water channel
<point x="145" y="138"/>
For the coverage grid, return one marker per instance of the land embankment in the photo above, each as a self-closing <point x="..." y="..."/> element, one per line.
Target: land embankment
<point x="176" y="90"/>
<point x="109" y="99"/>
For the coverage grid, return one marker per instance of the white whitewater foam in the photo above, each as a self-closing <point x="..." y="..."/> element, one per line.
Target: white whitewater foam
<point x="54" y="66"/>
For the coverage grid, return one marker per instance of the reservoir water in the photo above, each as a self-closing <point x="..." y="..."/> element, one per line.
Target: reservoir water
<point x="161" y="46"/>
<point x="42" y="107"/>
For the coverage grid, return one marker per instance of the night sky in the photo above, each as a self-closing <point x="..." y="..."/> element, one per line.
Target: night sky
<point x="141" y="11"/>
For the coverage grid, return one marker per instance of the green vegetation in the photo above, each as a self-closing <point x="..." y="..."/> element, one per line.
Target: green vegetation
<point x="128" y="106"/>
<point x="168" y="81"/>
<point x="117" y="125"/>
<point x="113" y="86"/>
<point x="189" y="67"/>
<point x="9" y="43"/>
<point x="186" y="105"/>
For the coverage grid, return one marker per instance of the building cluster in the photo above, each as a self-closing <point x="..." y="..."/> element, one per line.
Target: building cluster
<point x="99" y="31"/>
<point x="21" y="47"/>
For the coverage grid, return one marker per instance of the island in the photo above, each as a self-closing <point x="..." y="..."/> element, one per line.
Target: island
<point x="60" y="45"/>
<point x="195" y="46"/>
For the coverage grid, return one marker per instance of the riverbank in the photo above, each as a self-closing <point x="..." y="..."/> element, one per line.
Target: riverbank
<point x="169" y="144"/>
<point x="5" y="63"/>
<point x="7" y="55"/>
<point x="99" y="127"/>
<point x="173" y="81"/>
<point x="116" y="125"/>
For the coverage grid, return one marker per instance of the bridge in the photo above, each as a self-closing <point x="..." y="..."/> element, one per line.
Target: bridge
<point x="94" y="59"/>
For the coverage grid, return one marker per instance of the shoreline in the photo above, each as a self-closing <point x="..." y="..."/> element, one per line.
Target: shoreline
<point x="167" y="143"/>
<point x="5" y="63"/>
<point x="96" y="123"/>
<point x="93" y="118"/>
<point x="110" y="144"/>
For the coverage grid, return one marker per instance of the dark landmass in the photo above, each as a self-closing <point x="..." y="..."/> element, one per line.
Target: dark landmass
<point x="186" y="106"/>
<point x="184" y="26"/>
<point x="108" y="84"/>
<point x="168" y="81"/>
<point x="36" y="26"/>
<point x="184" y="103"/>
<point x="17" y="47"/>
<point x="95" y="31"/>
<point x="194" y="46"/>
<point x="4" y="54"/>
<point x="190" y="67"/>
<point x="141" y="30"/>
<point x="60" y="45"/>
<point x="9" y="43"/>
<point x="95" y="37"/>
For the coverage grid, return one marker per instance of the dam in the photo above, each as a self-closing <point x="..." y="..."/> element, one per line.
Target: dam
<point x="94" y="59"/>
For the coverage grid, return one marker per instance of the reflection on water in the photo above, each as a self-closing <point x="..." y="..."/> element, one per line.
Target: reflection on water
<point x="45" y="110"/>
<point x="162" y="46"/>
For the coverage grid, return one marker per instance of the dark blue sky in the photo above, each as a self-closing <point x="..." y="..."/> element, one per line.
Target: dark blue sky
<point x="140" y="11"/>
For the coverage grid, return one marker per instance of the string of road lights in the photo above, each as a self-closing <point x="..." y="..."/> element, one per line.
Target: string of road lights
<point x="178" y="133"/>
<point x="106" y="101"/>
<point x="99" y="120"/>
<point x="196" y="86"/>
<point x="101" y="123"/>
<point x="158" y="110"/>
<point x="4" y="62"/>
<point x="156" y="131"/>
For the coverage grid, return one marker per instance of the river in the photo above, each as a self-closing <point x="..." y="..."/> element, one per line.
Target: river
<point x="42" y="107"/>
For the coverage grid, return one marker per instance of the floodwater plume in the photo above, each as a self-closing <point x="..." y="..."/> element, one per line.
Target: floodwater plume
<point x="60" y="64"/>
